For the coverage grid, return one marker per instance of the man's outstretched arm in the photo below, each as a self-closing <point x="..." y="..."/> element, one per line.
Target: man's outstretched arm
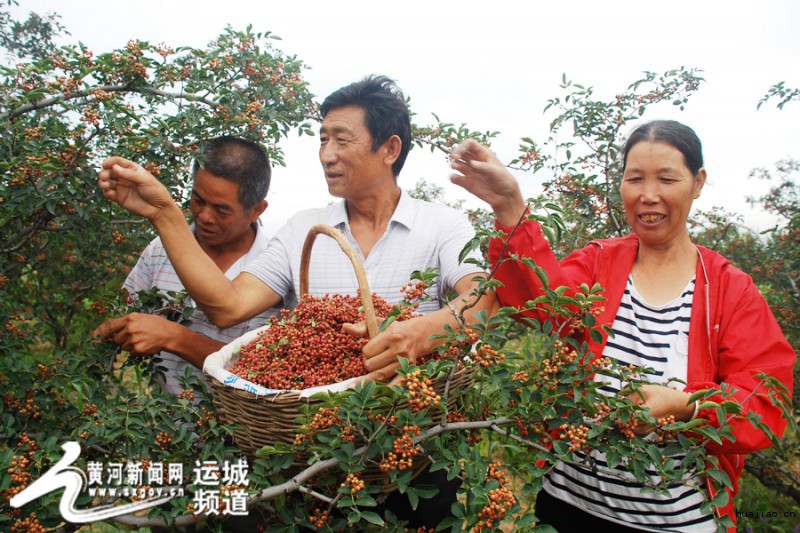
<point x="225" y="302"/>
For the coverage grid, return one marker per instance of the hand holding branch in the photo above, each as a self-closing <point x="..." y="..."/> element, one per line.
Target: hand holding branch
<point x="662" y="401"/>
<point x="134" y="188"/>
<point x="482" y="174"/>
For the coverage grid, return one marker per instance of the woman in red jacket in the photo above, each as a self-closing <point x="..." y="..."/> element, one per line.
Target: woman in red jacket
<point x="673" y="306"/>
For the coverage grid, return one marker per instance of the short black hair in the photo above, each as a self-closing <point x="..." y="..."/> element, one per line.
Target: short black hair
<point x="678" y="135"/>
<point x="385" y="110"/>
<point x="240" y="161"/>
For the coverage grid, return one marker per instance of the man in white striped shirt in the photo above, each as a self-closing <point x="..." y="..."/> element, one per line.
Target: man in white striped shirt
<point x="364" y="140"/>
<point x="228" y="195"/>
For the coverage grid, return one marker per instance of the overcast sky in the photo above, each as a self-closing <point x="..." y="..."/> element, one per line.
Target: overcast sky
<point x="494" y="65"/>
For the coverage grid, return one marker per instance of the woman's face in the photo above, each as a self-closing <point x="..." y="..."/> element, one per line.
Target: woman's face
<point x="657" y="191"/>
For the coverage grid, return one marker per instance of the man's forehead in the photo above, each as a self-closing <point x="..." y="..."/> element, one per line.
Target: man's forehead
<point x="344" y="119"/>
<point x="209" y="186"/>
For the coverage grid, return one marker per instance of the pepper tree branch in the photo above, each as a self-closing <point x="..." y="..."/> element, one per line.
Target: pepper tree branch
<point x="126" y="88"/>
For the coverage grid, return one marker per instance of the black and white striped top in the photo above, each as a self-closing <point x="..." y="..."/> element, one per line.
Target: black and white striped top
<point x="656" y="337"/>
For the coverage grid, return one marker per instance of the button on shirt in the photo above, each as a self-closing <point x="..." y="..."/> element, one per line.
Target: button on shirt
<point x="419" y="236"/>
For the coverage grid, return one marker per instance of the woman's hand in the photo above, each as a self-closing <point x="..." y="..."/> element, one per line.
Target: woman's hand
<point x="482" y="174"/>
<point x="662" y="402"/>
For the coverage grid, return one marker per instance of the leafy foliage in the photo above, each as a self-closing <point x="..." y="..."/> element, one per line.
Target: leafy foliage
<point x="532" y="403"/>
<point x="782" y="93"/>
<point x="66" y="111"/>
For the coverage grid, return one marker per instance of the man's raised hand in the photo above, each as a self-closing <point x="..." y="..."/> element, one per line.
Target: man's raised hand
<point x="134" y="188"/>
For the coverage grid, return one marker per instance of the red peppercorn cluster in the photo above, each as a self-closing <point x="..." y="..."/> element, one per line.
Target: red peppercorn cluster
<point x="602" y="410"/>
<point x="18" y="473"/>
<point x="319" y="519"/>
<point x="306" y="347"/>
<point x="500" y="501"/>
<point x="495" y="471"/>
<point x="665" y="434"/>
<point x="380" y="418"/>
<point x="487" y="356"/>
<point x="206" y="417"/>
<point x="421" y="393"/>
<point x="347" y="434"/>
<point x="577" y="436"/>
<point x="414" y="292"/>
<point x="602" y="363"/>
<point x="404" y="451"/>
<point x="666" y="420"/>
<point x="521" y="426"/>
<point x="27" y="407"/>
<point x="552" y="366"/>
<point x="324" y="418"/>
<point x="354" y="482"/>
<point x="44" y="372"/>
<point x="186" y="394"/>
<point x="164" y="439"/>
<point x="29" y="525"/>
<point x="629" y="428"/>
<point x="455" y="416"/>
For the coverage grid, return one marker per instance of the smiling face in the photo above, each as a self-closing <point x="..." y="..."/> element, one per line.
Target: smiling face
<point x="352" y="168"/>
<point x="220" y="219"/>
<point x="658" y="190"/>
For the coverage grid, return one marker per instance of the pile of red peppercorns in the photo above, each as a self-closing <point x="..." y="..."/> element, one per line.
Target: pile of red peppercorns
<point x="306" y="347"/>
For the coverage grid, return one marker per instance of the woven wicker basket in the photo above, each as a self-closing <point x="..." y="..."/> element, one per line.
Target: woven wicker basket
<point x="271" y="419"/>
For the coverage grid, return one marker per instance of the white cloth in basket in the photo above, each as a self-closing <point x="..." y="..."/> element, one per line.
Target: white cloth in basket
<point x="217" y="363"/>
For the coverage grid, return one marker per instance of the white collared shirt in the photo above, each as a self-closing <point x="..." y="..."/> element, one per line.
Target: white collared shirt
<point x="154" y="269"/>
<point x="419" y="236"/>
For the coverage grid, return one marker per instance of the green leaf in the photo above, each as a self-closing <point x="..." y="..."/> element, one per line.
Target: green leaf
<point x="685" y="426"/>
<point x="732" y="407"/>
<point x="703" y="393"/>
<point x="710" y="433"/>
<point x="612" y="458"/>
<point x="426" y="491"/>
<point x="372" y="518"/>
<point x="413" y="498"/>
<point x="720" y="476"/>
<point x="654" y="453"/>
<point x="341" y="456"/>
<point x="721" y="499"/>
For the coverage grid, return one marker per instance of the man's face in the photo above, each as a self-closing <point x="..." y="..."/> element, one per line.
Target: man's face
<point x="352" y="168"/>
<point x="220" y="219"/>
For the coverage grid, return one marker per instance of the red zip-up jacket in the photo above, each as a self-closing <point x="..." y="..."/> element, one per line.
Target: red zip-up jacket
<point x="733" y="335"/>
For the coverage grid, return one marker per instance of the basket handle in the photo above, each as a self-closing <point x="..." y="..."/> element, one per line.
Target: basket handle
<point x="361" y="274"/>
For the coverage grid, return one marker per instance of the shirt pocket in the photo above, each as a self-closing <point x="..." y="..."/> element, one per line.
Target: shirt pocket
<point x="680" y="346"/>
